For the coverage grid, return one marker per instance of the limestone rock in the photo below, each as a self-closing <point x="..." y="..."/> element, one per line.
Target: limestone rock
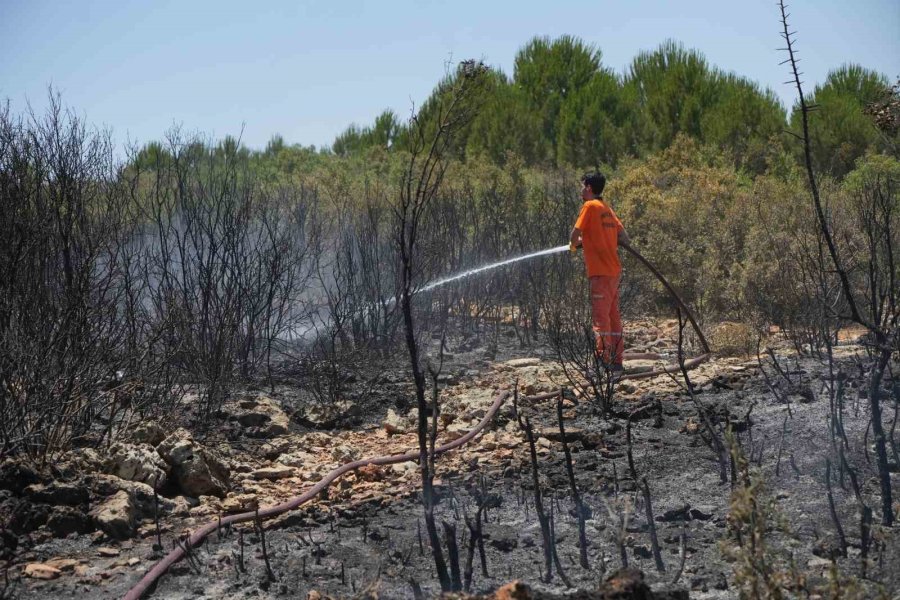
<point x="344" y="453"/>
<point x="273" y="472"/>
<point x="298" y="459"/>
<point x="41" y="571"/>
<point x="518" y="363"/>
<point x="393" y="423"/>
<point x="63" y="564"/>
<point x="181" y="506"/>
<point x="208" y="505"/>
<point x="818" y="562"/>
<point x="58" y="493"/>
<point x="262" y="417"/>
<point x="240" y="503"/>
<point x="275" y="448"/>
<point x="196" y="469"/>
<point x="148" y="432"/>
<point x="116" y="516"/>
<point x="573" y="434"/>
<point x="404" y="468"/>
<point x="141" y="494"/>
<point x="326" y="415"/>
<point x="80" y="460"/>
<point x="488" y="441"/>
<point x="456" y="430"/>
<point x="136" y="462"/>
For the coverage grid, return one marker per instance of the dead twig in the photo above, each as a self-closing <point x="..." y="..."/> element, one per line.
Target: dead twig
<point x="570" y="471"/>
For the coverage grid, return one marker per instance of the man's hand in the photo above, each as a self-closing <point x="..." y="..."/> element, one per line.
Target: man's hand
<point x="575" y="238"/>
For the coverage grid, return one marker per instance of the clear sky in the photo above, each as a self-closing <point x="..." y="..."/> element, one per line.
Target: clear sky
<point x="306" y="70"/>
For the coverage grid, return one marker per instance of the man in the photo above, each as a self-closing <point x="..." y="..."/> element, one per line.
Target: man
<point x="599" y="232"/>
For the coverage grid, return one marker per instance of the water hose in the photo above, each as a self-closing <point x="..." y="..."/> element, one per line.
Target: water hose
<point x="159" y="569"/>
<point x="688" y="364"/>
<point x="672" y="293"/>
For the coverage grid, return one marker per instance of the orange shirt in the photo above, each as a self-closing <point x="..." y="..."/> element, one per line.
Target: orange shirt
<point x="600" y="229"/>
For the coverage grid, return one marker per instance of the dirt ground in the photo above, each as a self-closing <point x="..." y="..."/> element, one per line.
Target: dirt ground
<point x="368" y="535"/>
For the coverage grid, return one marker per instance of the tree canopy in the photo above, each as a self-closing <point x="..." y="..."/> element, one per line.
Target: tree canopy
<point x="563" y="107"/>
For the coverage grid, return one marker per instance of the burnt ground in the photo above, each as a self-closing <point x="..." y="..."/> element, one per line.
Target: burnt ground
<point x="366" y="534"/>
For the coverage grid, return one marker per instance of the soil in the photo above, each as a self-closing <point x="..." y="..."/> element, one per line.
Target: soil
<point x="367" y="536"/>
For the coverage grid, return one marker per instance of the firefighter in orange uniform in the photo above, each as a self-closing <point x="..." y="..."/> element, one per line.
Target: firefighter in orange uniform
<point x="599" y="233"/>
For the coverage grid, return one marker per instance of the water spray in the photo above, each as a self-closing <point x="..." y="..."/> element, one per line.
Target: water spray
<point x="502" y="263"/>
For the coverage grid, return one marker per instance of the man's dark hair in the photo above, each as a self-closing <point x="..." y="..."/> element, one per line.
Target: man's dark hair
<point x="596" y="180"/>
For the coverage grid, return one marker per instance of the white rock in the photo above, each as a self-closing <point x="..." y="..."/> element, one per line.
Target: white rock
<point x="240" y="503"/>
<point x="273" y="472"/>
<point x="141" y="494"/>
<point x="344" y="453"/>
<point x="41" y="571"/>
<point x="275" y="448"/>
<point x="198" y="471"/>
<point x="116" y="516"/>
<point x="298" y="459"/>
<point x="393" y="423"/>
<point x="263" y="415"/>
<point x="136" y="462"/>
<point x="518" y="363"/>
<point x="818" y="562"/>
<point x="148" y="432"/>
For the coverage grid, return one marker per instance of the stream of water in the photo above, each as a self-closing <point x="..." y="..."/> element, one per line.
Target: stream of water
<point x="304" y="333"/>
<point x="477" y="270"/>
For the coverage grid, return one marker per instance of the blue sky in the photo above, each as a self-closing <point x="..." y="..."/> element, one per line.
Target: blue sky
<point x="306" y="70"/>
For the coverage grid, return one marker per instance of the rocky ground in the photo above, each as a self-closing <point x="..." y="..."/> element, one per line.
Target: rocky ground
<point x="90" y="529"/>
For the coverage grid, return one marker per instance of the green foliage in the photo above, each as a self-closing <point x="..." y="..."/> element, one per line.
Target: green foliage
<point x="506" y="124"/>
<point x="774" y="281"/>
<point x="871" y="195"/>
<point x="840" y="130"/>
<point x="685" y="210"/>
<point x="674" y="87"/>
<point x="745" y="120"/>
<point x="752" y="519"/>
<point x="151" y="155"/>
<point x="446" y="108"/>
<point x="563" y="107"/>
<point x="590" y="129"/>
<point x="873" y="171"/>
<point x="550" y="72"/>
<point x="356" y="139"/>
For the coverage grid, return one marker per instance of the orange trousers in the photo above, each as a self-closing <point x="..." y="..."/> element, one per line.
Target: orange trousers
<point x="606" y="320"/>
